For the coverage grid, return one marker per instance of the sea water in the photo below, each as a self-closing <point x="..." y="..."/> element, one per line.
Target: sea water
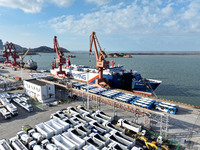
<point x="180" y="74"/>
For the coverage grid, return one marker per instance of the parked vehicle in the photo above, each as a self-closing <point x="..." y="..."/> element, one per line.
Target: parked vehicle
<point x="4" y="145"/>
<point x="113" y="127"/>
<point x="77" y="141"/>
<point x="12" y="108"/>
<point x="130" y="126"/>
<point x="23" y="104"/>
<point x="63" y="142"/>
<point x="48" y="146"/>
<point x="57" y="128"/>
<point x="17" y="144"/>
<point x="25" y="138"/>
<point x="33" y="146"/>
<point x="44" y="130"/>
<point x="64" y="125"/>
<point x="6" y="114"/>
<point x="93" y="142"/>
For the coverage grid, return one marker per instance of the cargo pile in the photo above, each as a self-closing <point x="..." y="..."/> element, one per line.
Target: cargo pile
<point x="77" y="128"/>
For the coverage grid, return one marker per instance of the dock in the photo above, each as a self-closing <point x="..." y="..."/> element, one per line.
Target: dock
<point x="185" y="125"/>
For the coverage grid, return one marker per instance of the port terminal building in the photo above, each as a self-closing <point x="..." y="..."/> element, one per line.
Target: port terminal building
<point x="42" y="91"/>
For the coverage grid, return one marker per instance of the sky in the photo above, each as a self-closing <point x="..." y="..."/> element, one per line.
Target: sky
<point x="120" y="25"/>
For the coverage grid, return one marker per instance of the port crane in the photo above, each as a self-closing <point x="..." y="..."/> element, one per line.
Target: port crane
<point x="11" y="50"/>
<point x="101" y="63"/>
<point x="22" y="57"/>
<point x="61" y="60"/>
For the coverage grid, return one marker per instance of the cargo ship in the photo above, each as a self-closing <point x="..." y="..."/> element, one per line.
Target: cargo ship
<point x="30" y="64"/>
<point x="115" y="76"/>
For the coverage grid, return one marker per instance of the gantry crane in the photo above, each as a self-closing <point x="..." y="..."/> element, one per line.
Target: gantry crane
<point x="11" y="50"/>
<point x="22" y="57"/>
<point x="101" y="63"/>
<point x="60" y="58"/>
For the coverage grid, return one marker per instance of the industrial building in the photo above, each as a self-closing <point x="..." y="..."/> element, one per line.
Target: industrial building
<point x="42" y="91"/>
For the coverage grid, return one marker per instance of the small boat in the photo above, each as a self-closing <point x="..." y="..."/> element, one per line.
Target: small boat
<point x="30" y="64"/>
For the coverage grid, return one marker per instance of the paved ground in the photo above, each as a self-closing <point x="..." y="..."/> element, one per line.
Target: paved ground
<point x="180" y="125"/>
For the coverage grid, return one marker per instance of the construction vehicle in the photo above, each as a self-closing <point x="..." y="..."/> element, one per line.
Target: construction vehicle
<point x="128" y="125"/>
<point x="101" y="63"/>
<point x="22" y="58"/>
<point x="17" y="144"/>
<point x="4" y="145"/>
<point x="61" y="60"/>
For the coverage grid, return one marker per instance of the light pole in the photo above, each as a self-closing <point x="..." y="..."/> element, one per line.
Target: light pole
<point x="88" y="105"/>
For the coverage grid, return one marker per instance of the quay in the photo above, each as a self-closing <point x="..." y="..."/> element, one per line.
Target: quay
<point x="185" y="125"/>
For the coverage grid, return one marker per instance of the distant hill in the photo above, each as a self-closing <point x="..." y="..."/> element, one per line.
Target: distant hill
<point x="45" y="49"/>
<point x="41" y="49"/>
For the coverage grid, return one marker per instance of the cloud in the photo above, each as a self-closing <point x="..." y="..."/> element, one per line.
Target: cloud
<point x="139" y="17"/>
<point x="62" y="3"/>
<point x="32" y="6"/>
<point x="99" y="2"/>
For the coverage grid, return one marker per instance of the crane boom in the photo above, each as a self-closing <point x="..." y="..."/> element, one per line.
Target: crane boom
<point x="101" y="63"/>
<point x="60" y="57"/>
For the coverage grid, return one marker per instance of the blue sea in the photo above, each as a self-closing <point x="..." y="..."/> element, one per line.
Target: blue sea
<point x="180" y="75"/>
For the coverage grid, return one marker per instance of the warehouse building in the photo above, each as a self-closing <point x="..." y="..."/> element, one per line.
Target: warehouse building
<point x="42" y="91"/>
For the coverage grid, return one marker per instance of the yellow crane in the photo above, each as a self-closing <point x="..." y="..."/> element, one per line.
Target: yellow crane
<point x="22" y="57"/>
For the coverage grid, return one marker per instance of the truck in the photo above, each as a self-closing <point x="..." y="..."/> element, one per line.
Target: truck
<point x="79" y="143"/>
<point x="98" y="128"/>
<point x="103" y="116"/>
<point x="128" y="125"/>
<point x="113" y="127"/>
<point x="49" y="146"/>
<point x="88" y="116"/>
<point x="125" y="142"/>
<point x="25" y="138"/>
<point x="12" y="108"/>
<point x="63" y="142"/>
<point x="6" y="114"/>
<point x="83" y="110"/>
<point x="64" y="125"/>
<point x="33" y="146"/>
<point x="4" y="145"/>
<point x="23" y="104"/>
<point x="59" y="114"/>
<point x="36" y="135"/>
<point x="4" y="101"/>
<point x="72" y="110"/>
<point x="17" y="144"/>
<point x="81" y="119"/>
<point x="101" y="139"/>
<point x="44" y="130"/>
<point x="93" y="142"/>
<point x="57" y="128"/>
<point x="70" y="122"/>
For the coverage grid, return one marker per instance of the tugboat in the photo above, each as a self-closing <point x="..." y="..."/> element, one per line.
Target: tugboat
<point x="30" y="64"/>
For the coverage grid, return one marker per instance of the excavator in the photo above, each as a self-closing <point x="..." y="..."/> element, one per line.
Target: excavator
<point x="154" y="145"/>
<point x="101" y="63"/>
<point x="22" y="58"/>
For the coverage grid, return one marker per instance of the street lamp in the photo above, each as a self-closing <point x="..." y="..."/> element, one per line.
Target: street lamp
<point x="88" y="105"/>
